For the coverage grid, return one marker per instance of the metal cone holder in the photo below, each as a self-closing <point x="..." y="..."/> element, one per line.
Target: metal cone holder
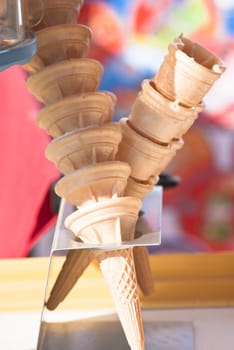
<point x="86" y="319"/>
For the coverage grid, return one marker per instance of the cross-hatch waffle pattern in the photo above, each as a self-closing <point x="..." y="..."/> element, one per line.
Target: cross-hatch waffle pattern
<point x="122" y="280"/>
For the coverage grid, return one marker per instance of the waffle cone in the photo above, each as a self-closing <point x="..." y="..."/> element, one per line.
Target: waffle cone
<point x="140" y="189"/>
<point x="141" y="257"/>
<point x="109" y="222"/>
<point x="66" y="78"/>
<point x="119" y="272"/>
<point x="159" y="119"/>
<point x="145" y="157"/>
<point x="59" y="43"/>
<point x="84" y="147"/>
<point x="75" y="264"/>
<point x="114" y="221"/>
<point x="56" y="12"/>
<point x="94" y="183"/>
<point x="187" y="72"/>
<point x="144" y="275"/>
<point x="75" y="112"/>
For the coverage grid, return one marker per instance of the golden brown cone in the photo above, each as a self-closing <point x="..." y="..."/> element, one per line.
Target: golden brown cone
<point x="75" y="264"/>
<point x="83" y="147"/>
<point x="94" y="183"/>
<point x="187" y="72"/>
<point x="59" y="43"/>
<point x="144" y="274"/>
<point x="119" y="272"/>
<point x="107" y="223"/>
<point x="77" y="260"/>
<point x="159" y="119"/>
<point x="60" y="80"/>
<point x="146" y="158"/>
<point x="76" y="112"/>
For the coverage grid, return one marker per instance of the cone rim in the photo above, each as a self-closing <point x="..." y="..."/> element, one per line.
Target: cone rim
<point x="61" y="69"/>
<point x="174" y="105"/>
<point x="112" y="209"/>
<point x="180" y="53"/>
<point x="92" y="173"/>
<point x="150" y="147"/>
<point x="85" y="136"/>
<point x="62" y="108"/>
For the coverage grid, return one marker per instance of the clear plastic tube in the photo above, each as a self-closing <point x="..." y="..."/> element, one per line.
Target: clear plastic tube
<point x="12" y="27"/>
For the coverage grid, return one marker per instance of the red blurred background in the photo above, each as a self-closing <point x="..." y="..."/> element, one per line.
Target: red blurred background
<point x="130" y="39"/>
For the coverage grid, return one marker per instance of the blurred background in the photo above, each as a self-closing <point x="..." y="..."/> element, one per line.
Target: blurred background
<point x="130" y="38"/>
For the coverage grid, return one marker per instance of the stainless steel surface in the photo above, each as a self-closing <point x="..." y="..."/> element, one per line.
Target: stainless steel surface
<point x="105" y="333"/>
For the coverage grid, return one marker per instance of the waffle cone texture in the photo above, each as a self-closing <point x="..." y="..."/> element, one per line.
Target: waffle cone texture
<point x="85" y="143"/>
<point x="62" y="78"/>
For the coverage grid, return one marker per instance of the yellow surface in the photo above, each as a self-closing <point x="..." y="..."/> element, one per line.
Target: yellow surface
<point x="192" y="280"/>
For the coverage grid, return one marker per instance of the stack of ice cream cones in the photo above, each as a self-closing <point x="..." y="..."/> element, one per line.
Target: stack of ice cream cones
<point x="164" y="110"/>
<point x="84" y="146"/>
<point x="109" y="167"/>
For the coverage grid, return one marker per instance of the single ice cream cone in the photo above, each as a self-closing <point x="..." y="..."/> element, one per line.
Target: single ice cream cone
<point x="55" y="12"/>
<point x="144" y="275"/>
<point x="119" y="272"/>
<point x="187" y="72"/>
<point x="75" y="264"/>
<point x="157" y="118"/>
<point x="75" y="112"/>
<point x="83" y="147"/>
<point x="111" y="221"/>
<point x="94" y="183"/>
<point x="59" y="43"/>
<point x="66" y="78"/>
<point x="145" y="157"/>
<point x="140" y="189"/>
